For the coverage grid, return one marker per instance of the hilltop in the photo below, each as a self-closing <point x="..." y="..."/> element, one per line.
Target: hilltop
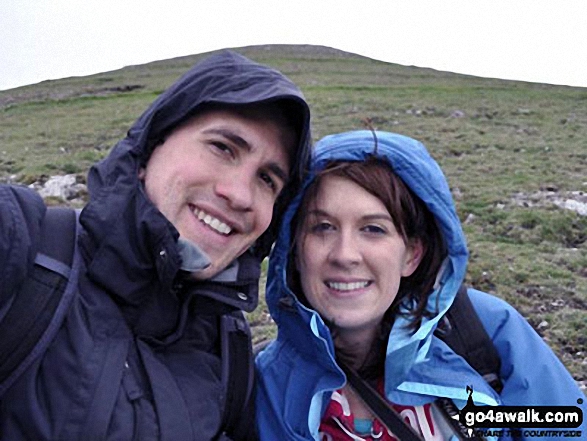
<point x="515" y="155"/>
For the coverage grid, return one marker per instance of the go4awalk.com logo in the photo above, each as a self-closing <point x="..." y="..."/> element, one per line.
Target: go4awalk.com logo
<point x="529" y="421"/>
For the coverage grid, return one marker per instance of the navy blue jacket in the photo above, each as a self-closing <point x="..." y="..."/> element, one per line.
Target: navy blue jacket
<point x="137" y="355"/>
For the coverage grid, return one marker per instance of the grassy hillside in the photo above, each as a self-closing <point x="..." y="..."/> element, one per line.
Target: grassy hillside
<point x="514" y="154"/>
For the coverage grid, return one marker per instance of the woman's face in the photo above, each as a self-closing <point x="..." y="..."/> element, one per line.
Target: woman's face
<point x="350" y="256"/>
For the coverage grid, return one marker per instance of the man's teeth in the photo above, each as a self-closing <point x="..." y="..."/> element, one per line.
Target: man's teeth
<point x="339" y="286"/>
<point x="212" y="222"/>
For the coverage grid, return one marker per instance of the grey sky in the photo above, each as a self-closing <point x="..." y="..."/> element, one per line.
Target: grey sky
<point x="532" y="40"/>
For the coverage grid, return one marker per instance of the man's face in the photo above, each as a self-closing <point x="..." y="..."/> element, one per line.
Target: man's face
<point x="216" y="178"/>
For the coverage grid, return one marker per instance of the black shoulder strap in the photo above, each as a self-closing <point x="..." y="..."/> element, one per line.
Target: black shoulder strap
<point x="384" y="412"/>
<point x="259" y="346"/>
<point x="33" y="307"/>
<point x="237" y="375"/>
<point x="465" y="334"/>
<point x="58" y="234"/>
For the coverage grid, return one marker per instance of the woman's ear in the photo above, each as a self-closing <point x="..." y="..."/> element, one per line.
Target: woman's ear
<point x="295" y="250"/>
<point x="296" y="256"/>
<point x="414" y="254"/>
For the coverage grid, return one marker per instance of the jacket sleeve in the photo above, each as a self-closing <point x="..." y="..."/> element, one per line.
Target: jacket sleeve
<point x="21" y="212"/>
<point x="531" y="373"/>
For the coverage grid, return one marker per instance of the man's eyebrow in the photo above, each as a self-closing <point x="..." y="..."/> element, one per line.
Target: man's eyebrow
<point x="230" y="135"/>
<point x="242" y="143"/>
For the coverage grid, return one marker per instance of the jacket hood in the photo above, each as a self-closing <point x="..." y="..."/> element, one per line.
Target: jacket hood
<point x="412" y="163"/>
<point x="126" y="233"/>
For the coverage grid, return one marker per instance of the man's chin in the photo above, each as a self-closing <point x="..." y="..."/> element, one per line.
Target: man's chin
<point x="205" y="274"/>
<point x="221" y="267"/>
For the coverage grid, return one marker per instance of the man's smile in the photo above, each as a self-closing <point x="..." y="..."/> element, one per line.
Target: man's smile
<point x="212" y="222"/>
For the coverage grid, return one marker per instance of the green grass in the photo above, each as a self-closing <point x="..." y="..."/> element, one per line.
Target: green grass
<point x="494" y="139"/>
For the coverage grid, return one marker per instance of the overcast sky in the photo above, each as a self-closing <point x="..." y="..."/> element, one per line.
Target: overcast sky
<point x="532" y="40"/>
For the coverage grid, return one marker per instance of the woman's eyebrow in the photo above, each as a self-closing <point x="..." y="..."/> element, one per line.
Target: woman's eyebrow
<point x="317" y="212"/>
<point x="368" y="217"/>
<point x="378" y="216"/>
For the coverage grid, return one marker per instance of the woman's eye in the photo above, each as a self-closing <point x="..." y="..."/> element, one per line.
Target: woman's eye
<point x="321" y="227"/>
<point x="376" y="229"/>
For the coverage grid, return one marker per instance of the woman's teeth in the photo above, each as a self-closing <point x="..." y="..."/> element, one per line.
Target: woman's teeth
<point x="339" y="286"/>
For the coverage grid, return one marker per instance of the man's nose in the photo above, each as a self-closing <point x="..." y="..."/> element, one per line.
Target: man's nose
<point x="237" y="189"/>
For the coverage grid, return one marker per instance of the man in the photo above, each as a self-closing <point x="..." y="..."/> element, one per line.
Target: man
<point x="180" y="215"/>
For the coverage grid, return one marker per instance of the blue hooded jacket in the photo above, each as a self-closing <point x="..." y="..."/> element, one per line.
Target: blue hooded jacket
<point x="137" y="355"/>
<point x="298" y="371"/>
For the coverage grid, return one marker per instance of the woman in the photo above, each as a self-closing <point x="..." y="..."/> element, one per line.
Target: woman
<point x="368" y="260"/>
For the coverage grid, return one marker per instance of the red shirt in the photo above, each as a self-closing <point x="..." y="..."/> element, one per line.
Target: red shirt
<point x="338" y="423"/>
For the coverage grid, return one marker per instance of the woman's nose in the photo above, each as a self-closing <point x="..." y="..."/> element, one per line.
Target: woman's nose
<point x="345" y="250"/>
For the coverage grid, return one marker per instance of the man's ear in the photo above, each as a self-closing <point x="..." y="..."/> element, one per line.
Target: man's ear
<point x="142" y="173"/>
<point x="414" y="254"/>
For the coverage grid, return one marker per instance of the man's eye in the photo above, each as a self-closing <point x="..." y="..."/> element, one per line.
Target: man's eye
<point x="222" y="147"/>
<point x="268" y="180"/>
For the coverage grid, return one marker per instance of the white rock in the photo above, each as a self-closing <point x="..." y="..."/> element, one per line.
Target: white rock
<point x="64" y="187"/>
<point x="470" y="218"/>
<point x="579" y="207"/>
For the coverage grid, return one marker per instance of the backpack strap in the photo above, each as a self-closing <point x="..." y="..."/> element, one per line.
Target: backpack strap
<point x="25" y="326"/>
<point x="388" y="416"/>
<point x="237" y="375"/>
<point x="464" y="333"/>
<point x="260" y="346"/>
